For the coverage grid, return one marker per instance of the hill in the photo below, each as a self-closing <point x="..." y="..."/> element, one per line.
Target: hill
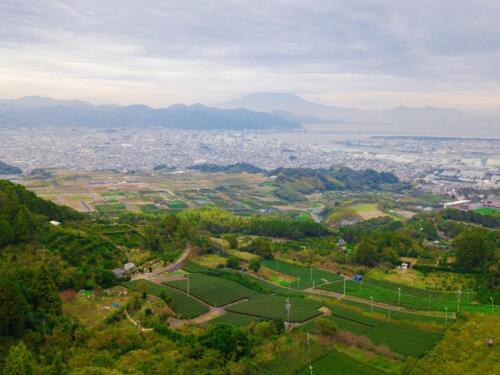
<point x="39" y="111"/>
<point x="9" y="169"/>
<point x="232" y="168"/>
<point x="293" y="183"/>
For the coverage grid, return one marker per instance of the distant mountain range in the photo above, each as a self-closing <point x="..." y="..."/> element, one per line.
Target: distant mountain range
<point x="9" y="169"/>
<point x="41" y="111"/>
<point x="277" y="111"/>
<point x="294" y="107"/>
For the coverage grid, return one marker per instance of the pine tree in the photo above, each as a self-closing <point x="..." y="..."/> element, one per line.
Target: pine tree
<point x="45" y="292"/>
<point x="13" y="307"/>
<point x="19" y="361"/>
<point x="6" y="233"/>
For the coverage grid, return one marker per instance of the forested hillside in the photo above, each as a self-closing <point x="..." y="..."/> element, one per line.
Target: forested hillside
<point x="293" y="183"/>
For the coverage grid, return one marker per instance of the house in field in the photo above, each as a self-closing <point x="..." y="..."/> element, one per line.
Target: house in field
<point x="55" y="223"/>
<point x="128" y="266"/>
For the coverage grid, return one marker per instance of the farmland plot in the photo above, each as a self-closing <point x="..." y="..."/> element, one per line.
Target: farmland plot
<point x="213" y="290"/>
<point x="305" y="277"/>
<point x="238" y="320"/>
<point x="185" y="307"/>
<point x="412" y="298"/>
<point x="273" y="307"/>
<point x="339" y="363"/>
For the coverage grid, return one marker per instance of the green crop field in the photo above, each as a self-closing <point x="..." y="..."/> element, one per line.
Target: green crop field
<point x="404" y="340"/>
<point x="305" y="277"/>
<point x="400" y="338"/>
<point x="488" y="211"/>
<point x="338" y="363"/>
<point x="412" y="298"/>
<point x="185" y="307"/>
<point x="238" y="320"/>
<point x="399" y="315"/>
<point x="213" y="290"/>
<point x="273" y="307"/>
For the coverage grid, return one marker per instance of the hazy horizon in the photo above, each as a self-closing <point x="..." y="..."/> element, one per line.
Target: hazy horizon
<point x="365" y="55"/>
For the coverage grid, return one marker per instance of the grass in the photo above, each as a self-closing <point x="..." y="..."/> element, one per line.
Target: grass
<point x="213" y="290"/>
<point x="463" y="350"/>
<point x="211" y="260"/>
<point x="338" y="363"/>
<point x="488" y="211"/>
<point x="304" y="277"/>
<point x="273" y="307"/>
<point x="92" y="311"/>
<point x="185" y="307"/>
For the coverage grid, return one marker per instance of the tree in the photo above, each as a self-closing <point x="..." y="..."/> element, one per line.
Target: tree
<point x="233" y="241"/>
<point x="19" y="361"/>
<point x="24" y="226"/>
<point x="262" y="246"/>
<point x="233" y="262"/>
<point x="6" y="233"/>
<point x="13" y="307"/>
<point x="474" y="249"/>
<point x="254" y="265"/>
<point x="366" y="254"/>
<point x="46" y="296"/>
<point x="228" y="339"/>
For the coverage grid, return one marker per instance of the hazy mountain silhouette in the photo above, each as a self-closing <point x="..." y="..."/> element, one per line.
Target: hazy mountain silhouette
<point x="39" y="111"/>
<point x="295" y="105"/>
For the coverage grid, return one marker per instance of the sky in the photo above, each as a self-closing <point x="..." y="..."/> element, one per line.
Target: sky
<point x="370" y="54"/>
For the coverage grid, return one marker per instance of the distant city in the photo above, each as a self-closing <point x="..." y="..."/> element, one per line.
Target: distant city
<point x="440" y="165"/>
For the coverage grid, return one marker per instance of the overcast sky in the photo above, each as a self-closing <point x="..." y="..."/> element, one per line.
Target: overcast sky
<point x="365" y="54"/>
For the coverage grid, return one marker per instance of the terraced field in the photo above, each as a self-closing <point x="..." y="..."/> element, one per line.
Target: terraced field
<point x="401" y="339"/>
<point x="213" y="290"/>
<point x="185" y="307"/>
<point x="238" y="320"/>
<point x="400" y="315"/>
<point x="273" y="307"/>
<point x="339" y="363"/>
<point x="305" y="277"/>
<point x="412" y="298"/>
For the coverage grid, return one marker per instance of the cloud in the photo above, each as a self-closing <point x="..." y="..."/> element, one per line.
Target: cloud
<point x="162" y="52"/>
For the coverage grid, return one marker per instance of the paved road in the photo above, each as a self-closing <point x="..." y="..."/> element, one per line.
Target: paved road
<point x="157" y="276"/>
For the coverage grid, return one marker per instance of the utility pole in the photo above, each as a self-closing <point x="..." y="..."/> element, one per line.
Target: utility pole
<point x="309" y="355"/>
<point x="399" y="295"/>
<point x="344" y="286"/>
<point x="371" y="304"/>
<point x="298" y="283"/>
<point x="288" y="306"/>
<point x="188" y="284"/>
<point x="459" y="292"/>
<point x="311" y="273"/>
<point x="491" y="298"/>
<point x="446" y="316"/>
<point x="389" y="314"/>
